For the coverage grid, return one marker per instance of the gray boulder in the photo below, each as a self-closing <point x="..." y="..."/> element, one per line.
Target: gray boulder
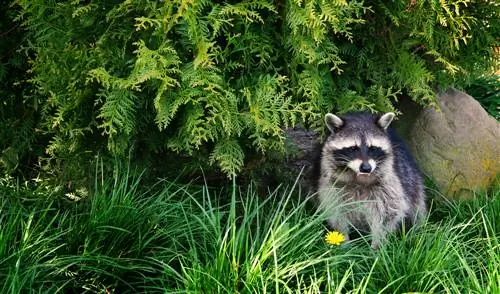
<point x="457" y="145"/>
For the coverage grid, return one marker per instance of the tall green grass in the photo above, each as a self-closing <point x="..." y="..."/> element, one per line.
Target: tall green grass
<point x="165" y="238"/>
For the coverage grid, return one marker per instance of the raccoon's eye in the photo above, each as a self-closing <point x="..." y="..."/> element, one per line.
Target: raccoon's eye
<point x="376" y="152"/>
<point x="352" y="149"/>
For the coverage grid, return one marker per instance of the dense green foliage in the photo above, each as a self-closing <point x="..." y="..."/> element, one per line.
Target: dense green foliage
<point x="486" y="90"/>
<point x="174" y="239"/>
<point x="218" y="81"/>
<point x="19" y="110"/>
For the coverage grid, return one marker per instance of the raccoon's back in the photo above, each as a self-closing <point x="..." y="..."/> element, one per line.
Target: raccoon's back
<point x="406" y="168"/>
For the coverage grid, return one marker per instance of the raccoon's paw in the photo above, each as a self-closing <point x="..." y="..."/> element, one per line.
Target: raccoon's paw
<point x="375" y="245"/>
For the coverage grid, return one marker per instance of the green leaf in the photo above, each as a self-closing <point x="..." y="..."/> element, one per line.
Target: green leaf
<point x="228" y="155"/>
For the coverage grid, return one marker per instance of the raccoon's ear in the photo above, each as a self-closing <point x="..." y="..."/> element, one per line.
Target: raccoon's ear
<point x="333" y="122"/>
<point x="385" y="120"/>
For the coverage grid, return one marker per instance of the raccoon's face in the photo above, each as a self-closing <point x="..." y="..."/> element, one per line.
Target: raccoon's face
<point x="358" y="146"/>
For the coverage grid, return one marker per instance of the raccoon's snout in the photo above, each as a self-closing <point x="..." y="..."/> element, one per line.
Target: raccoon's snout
<point x="362" y="167"/>
<point x="365" y="168"/>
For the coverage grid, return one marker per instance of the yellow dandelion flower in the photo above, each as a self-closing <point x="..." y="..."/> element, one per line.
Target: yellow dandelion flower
<point x="334" y="238"/>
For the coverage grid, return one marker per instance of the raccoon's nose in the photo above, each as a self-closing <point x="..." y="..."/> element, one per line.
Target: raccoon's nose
<point x="365" y="167"/>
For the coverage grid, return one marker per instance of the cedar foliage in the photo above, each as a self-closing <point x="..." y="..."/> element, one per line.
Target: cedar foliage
<point x="217" y="81"/>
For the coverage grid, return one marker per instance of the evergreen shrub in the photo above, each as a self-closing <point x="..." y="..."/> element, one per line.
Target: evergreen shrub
<point x="214" y="83"/>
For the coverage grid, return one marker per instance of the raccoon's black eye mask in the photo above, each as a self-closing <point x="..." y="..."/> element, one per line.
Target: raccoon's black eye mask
<point x="351" y="149"/>
<point x="346" y="154"/>
<point x="349" y="153"/>
<point x="376" y="153"/>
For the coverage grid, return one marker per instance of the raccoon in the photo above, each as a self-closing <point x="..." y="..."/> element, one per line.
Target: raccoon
<point x="365" y="163"/>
